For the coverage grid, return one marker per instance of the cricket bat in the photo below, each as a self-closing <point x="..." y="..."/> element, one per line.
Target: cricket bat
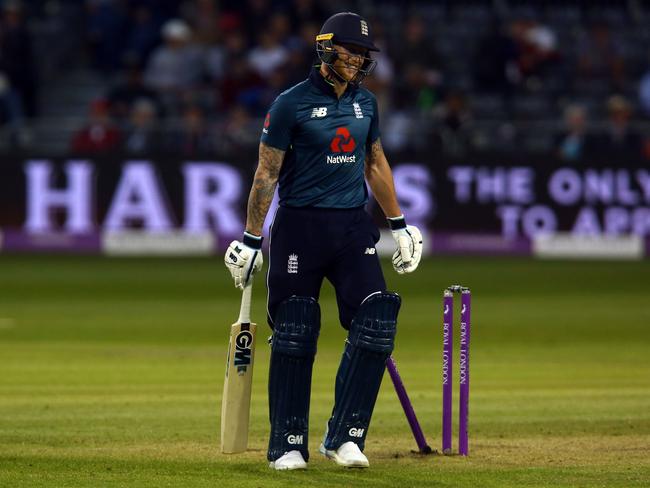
<point x="236" y="399"/>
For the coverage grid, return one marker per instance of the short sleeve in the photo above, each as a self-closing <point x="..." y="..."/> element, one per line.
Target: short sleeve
<point x="373" y="132"/>
<point x="279" y="122"/>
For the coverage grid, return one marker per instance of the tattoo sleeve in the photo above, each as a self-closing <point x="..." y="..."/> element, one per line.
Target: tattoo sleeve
<point x="380" y="179"/>
<point x="264" y="183"/>
<point x="376" y="152"/>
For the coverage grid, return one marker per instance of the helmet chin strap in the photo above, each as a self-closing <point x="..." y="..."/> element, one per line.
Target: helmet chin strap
<point x="333" y="73"/>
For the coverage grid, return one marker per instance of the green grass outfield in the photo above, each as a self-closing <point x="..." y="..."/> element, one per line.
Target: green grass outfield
<point x="111" y="373"/>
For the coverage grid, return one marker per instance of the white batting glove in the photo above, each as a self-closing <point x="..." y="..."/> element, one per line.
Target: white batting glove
<point x="244" y="259"/>
<point x="409" y="245"/>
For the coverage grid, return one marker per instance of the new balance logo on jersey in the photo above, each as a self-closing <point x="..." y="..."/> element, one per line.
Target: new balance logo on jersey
<point x="295" y="439"/>
<point x="370" y="250"/>
<point x="354" y="432"/>
<point x="292" y="264"/>
<point x="357" y="111"/>
<point x="319" y="112"/>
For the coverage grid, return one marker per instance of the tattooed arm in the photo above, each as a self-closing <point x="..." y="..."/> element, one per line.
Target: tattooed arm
<point x="264" y="183"/>
<point x="380" y="179"/>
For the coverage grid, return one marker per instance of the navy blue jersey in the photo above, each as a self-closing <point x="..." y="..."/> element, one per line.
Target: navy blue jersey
<point x="326" y="139"/>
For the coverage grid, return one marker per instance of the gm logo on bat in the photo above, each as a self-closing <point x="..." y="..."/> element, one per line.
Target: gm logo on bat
<point x="243" y="343"/>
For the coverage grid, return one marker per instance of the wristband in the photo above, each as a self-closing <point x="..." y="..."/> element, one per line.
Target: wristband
<point x="396" y="223"/>
<point x="253" y="241"/>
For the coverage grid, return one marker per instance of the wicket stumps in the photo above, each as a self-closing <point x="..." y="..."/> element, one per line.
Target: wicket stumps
<point x="447" y="368"/>
<point x="408" y="408"/>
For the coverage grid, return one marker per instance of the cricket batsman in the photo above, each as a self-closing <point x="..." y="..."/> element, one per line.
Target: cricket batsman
<point x="320" y="145"/>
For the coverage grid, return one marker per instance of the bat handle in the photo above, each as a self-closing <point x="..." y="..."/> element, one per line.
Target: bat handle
<point x="245" y="309"/>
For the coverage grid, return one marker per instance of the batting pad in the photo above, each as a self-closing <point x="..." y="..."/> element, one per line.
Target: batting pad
<point x="370" y="342"/>
<point x="293" y="347"/>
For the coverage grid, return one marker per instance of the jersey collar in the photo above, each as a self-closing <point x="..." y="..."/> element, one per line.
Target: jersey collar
<point x="317" y="79"/>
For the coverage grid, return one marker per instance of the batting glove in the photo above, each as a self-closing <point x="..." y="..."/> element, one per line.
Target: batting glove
<point x="409" y="245"/>
<point x="244" y="259"/>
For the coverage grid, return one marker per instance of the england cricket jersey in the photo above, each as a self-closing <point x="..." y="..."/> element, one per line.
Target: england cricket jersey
<point x="326" y="140"/>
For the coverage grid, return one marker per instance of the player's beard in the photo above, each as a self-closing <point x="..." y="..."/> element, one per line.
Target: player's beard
<point x="345" y="74"/>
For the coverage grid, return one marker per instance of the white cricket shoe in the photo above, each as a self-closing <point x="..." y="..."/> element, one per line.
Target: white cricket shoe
<point x="348" y="455"/>
<point x="290" y="460"/>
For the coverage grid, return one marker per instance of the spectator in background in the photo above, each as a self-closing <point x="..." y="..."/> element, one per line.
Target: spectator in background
<point x="453" y="119"/>
<point x="262" y="99"/>
<point x="572" y="143"/>
<point x="239" y="83"/>
<point x="601" y="57"/>
<point x="142" y="136"/>
<point x="215" y="60"/>
<point x="192" y="137"/>
<point x="255" y="16"/>
<point x="617" y="138"/>
<point x="144" y="35"/>
<point x="280" y="24"/>
<point x="537" y="51"/>
<point x="306" y="35"/>
<point x="11" y="112"/>
<point x="203" y="15"/>
<point x="106" y="29"/>
<point x="495" y="67"/>
<point x="294" y="68"/>
<point x="176" y="65"/>
<point x="419" y="50"/>
<point x="228" y="46"/>
<point x="306" y="12"/>
<point x="644" y="91"/>
<point x="99" y="135"/>
<point x="17" y="59"/>
<point x="416" y="92"/>
<point x="418" y="68"/>
<point x="239" y="132"/>
<point x="268" y="54"/>
<point x="122" y="97"/>
<point x="239" y="77"/>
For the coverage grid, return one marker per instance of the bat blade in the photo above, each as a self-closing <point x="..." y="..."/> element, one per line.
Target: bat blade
<point x="236" y="399"/>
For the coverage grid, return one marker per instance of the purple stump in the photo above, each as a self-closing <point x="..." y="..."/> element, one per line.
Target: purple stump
<point x="408" y="408"/>
<point x="466" y="304"/>
<point x="447" y="367"/>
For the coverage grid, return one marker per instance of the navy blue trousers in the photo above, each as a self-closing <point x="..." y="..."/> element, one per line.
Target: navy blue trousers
<point x="309" y="244"/>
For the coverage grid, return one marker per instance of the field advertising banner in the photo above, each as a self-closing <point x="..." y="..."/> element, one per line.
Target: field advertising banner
<point x="78" y="200"/>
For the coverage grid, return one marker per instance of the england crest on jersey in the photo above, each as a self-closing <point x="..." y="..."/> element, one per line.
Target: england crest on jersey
<point x="292" y="264"/>
<point x="357" y="111"/>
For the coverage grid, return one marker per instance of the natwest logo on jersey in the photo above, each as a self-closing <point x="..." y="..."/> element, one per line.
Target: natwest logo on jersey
<point x="342" y="142"/>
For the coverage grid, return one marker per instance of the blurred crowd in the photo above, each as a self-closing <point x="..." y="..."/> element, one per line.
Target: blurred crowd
<point x="196" y="77"/>
<point x="18" y="81"/>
